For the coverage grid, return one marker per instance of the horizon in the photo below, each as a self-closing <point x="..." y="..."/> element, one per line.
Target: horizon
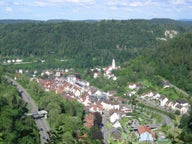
<point x="94" y="19"/>
<point x="43" y="10"/>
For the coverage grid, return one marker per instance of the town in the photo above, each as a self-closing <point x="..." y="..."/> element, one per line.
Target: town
<point x="119" y="115"/>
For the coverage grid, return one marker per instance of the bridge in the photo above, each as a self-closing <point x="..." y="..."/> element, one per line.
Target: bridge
<point x="38" y="115"/>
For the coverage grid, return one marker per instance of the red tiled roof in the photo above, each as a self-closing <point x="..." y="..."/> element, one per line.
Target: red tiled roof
<point x="143" y="129"/>
<point x="89" y="120"/>
<point x="59" y="90"/>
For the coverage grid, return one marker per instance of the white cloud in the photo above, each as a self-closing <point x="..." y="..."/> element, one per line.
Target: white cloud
<point x="40" y="3"/>
<point x="136" y="4"/>
<point x="16" y="3"/>
<point x="178" y="2"/>
<point x="52" y="3"/>
<point x="8" y="9"/>
<point x="73" y="1"/>
<point x="132" y="3"/>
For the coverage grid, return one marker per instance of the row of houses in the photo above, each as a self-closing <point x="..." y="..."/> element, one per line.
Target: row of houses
<point x="13" y="61"/>
<point x="180" y="104"/>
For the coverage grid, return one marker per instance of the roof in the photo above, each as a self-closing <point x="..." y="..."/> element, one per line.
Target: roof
<point x="182" y="101"/>
<point x="143" y="129"/>
<point x="89" y="120"/>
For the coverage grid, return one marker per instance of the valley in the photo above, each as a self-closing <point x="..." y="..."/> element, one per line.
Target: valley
<point x="108" y="81"/>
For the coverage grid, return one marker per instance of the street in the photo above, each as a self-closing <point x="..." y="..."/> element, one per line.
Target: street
<point x="104" y="129"/>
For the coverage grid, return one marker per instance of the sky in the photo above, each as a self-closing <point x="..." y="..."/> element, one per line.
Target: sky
<point x="95" y="9"/>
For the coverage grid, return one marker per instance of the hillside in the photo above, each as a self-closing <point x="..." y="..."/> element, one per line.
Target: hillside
<point x="89" y="43"/>
<point x="174" y="61"/>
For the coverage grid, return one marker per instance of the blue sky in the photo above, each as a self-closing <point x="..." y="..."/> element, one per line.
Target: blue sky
<point x="95" y="9"/>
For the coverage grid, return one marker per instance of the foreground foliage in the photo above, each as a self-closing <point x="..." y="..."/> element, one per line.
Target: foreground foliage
<point x="15" y="127"/>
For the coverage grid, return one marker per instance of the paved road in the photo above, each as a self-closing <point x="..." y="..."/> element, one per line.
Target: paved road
<point x="167" y="120"/>
<point x="42" y="124"/>
<point x="106" y="132"/>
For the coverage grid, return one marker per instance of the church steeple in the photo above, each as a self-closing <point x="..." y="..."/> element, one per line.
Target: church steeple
<point x="113" y="64"/>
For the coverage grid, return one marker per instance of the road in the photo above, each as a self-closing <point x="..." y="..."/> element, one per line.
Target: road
<point x="42" y="124"/>
<point x="166" y="119"/>
<point x="106" y="132"/>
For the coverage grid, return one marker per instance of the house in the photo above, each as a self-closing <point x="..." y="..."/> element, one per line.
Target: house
<point x="174" y="104"/>
<point x="131" y="93"/>
<point x="111" y="93"/>
<point x="89" y="120"/>
<point x="67" y="86"/>
<point x="47" y="86"/>
<point x="116" y="124"/>
<point x="156" y="96"/>
<point x="82" y="83"/>
<point x="76" y="91"/>
<point x="166" y="84"/>
<point x="126" y="109"/>
<point x="18" y="60"/>
<point x="134" y="86"/>
<point x="100" y="95"/>
<point x="148" y="94"/>
<point x="181" y="108"/>
<point x="114" y="117"/>
<point x="85" y="100"/>
<point x="8" y="61"/>
<point x="163" y="100"/>
<point x="58" y="73"/>
<point x="96" y="72"/>
<point x="47" y="72"/>
<point x="183" y="102"/>
<point x="59" y="90"/>
<point x="109" y="106"/>
<point x="145" y="134"/>
<point x="71" y="79"/>
<point x="96" y="107"/>
<point x="168" y="104"/>
<point x="182" y="105"/>
<point x="92" y="90"/>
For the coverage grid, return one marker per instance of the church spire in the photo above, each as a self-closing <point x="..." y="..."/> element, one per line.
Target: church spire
<point x="113" y="64"/>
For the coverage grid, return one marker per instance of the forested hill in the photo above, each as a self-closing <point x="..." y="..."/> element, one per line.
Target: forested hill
<point x="174" y="61"/>
<point x="89" y="43"/>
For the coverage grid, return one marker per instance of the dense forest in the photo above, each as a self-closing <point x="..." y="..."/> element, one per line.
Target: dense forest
<point x="174" y="61"/>
<point x="89" y="43"/>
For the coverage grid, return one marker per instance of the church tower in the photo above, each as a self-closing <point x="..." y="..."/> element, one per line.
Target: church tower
<point x="113" y="64"/>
